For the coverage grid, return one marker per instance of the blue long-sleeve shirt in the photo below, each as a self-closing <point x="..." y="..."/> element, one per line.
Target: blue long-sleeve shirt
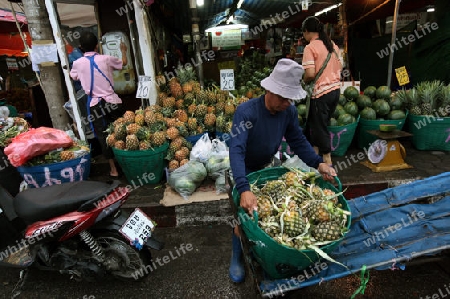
<point x="256" y="135"/>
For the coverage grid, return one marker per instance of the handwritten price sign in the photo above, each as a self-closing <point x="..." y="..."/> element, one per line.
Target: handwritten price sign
<point x="144" y="86"/>
<point x="227" y="79"/>
<point x="402" y="76"/>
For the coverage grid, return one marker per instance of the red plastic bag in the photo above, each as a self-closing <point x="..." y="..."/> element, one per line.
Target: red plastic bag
<point x="36" y="142"/>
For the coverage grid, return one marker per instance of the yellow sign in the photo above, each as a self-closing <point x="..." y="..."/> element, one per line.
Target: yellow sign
<point x="402" y="76"/>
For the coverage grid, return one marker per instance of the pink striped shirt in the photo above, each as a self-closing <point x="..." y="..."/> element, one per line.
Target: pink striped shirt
<point x="81" y="70"/>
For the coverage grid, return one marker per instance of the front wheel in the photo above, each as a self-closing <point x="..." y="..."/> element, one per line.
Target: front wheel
<point x="122" y="260"/>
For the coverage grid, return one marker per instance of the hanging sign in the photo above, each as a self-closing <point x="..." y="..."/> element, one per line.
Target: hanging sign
<point x="227" y="79"/>
<point x="226" y="38"/>
<point x="144" y="87"/>
<point x="402" y="76"/>
<point x="12" y="64"/>
<point x="305" y="5"/>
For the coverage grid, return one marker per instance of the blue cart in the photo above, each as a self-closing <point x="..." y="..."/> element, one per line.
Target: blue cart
<point x="389" y="228"/>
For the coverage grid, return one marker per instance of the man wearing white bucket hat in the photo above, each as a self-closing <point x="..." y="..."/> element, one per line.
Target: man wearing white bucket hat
<point x="267" y="120"/>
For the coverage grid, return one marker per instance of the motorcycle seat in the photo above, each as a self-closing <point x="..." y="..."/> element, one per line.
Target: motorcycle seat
<point x="37" y="204"/>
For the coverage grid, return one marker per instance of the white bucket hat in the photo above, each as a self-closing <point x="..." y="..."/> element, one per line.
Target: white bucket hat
<point x="285" y="80"/>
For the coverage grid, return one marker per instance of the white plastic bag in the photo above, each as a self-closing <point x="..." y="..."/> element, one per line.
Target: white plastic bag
<point x="218" y="162"/>
<point x="202" y="149"/>
<point x="296" y="162"/>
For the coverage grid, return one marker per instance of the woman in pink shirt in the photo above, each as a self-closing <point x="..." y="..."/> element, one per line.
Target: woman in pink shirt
<point x="326" y="91"/>
<point x="95" y="72"/>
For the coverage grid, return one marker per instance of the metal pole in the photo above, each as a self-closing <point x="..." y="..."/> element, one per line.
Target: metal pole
<point x="394" y="33"/>
<point x="196" y="40"/>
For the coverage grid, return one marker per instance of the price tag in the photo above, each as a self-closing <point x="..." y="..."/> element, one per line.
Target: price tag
<point x="227" y="79"/>
<point x="144" y="86"/>
<point x="137" y="227"/>
<point x="402" y="76"/>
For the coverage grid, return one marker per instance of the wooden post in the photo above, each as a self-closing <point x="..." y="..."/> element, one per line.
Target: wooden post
<point x="394" y="36"/>
<point x="53" y="16"/>
<point x="342" y="12"/>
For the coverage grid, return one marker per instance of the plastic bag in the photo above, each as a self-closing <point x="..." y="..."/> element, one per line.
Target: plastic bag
<point x="202" y="149"/>
<point x="218" y="162"/>
<point x="36" y="142"/>
<point x="296" y="162"/>
<point x="186" y="179"/>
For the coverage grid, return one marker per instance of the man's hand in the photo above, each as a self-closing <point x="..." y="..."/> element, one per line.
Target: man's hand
<point x="249" y="201"/>
<point x="328" y="173"/>
<point x="123" y="47"/>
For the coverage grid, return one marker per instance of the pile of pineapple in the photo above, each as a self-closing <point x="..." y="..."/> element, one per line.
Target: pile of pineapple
<point x="299" y="214"/>
<point x="427" y="98"/>
<point x="77" y="149"/>
<point x="200" y="110"/>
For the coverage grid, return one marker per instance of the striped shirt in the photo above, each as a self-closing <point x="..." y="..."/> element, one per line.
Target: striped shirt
<point x="314" y="56"/>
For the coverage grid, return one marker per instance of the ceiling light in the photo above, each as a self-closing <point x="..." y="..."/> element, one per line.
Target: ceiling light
<point x="227" y="27"/>
<point x="200" y="2"/>
<point x="327" y="9"/>
<point x="431" y="9"/>
<point x="240" y="3"/>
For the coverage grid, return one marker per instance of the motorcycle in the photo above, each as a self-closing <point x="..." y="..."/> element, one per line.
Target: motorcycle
<point x="77" y="229"/>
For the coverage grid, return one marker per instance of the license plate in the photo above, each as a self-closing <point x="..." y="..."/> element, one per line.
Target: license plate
<point x="138" y="227"/>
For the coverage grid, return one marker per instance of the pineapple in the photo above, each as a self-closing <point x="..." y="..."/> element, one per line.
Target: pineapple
<point x="444" y="101"/>
<point x="173" y="164"/>
<point x="139" y="118"/>
<point x="275" y="189"/>
<point x="317" y="210"/>
<point x="169" y="102"/>
<point x="220" y="107"/>
<point x="413" y="102"/>
<point x="170" y="122"/>
<point x="66" y="155"/>
<point x="179" y="104"/>
<point x="120" y="132"/>
<point x="294" y="224"/>
<point x="119" y="121"/>
<point x="129" y="117"/>
<point x="192" y="124"/>
<point x="291" y="178"/>
<point x="327" y="231"/>
<point x="149" y="117"/>
<point x="202" y="96"/>
<point x="187" y="87"/>
<point x="133" y="128"/>
<point x="196" y="87"/>
<point x="210" y="120"/>
<point x="264" y="206"/>
<point x="220" y="123"/>
<point x="211" y="109"/>
<point x="175" y="88"/>
<point x="143" y="134"/>
<point x="180" y="115"/>
<point x="180" y="155"/>
<point x="229" y="108"/>
<point x="131" y="142"/>
<point x="189" y="99"/>
<point x="182" y="129"/>
<point x="201" y="110"/>
<point x="111" y="140"/>
<point x="211" y="95"/>
<point x="144" y="145"/>
<point x="428" y="93"/>
<point x="191" y="109"/>
<point x="176" y="144"/>
<point x="185" y="151"/>
<point x="172" y="133"/>
<point x="158" y="138"/>
<point x="120" y="144"/>
<point x="184" y="161"/>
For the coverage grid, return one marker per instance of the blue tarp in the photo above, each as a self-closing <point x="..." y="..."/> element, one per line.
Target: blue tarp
<point x="388" y="228"/>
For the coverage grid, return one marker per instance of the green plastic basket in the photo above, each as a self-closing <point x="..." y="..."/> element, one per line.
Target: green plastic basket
<point x="341" y="137"/>
<point x="144" y="166"/>
<point x="430" y="132"/>
<point x="365" y="138"/>
<point x="277" y="260"/>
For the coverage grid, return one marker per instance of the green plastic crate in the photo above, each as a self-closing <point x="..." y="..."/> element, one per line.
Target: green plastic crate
<point x="430" y="132"/>
<point x="365" y="138"/>
<point x="342" y="137"/>
<point x="277" y="260"/>
<point x="144" y="166"/>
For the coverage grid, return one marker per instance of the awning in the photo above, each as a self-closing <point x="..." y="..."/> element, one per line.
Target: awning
<point x="6" y="15"/>
<point x="12" y="44"/>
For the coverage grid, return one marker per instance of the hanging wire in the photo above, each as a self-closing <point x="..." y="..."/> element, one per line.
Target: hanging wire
<point x="368" y="13"/>
<point x="23" y="39"/>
